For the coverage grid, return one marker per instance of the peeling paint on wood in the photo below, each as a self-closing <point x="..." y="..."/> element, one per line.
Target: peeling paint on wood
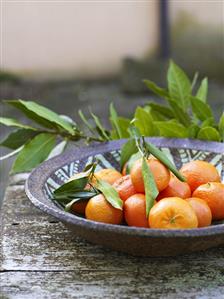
<point x="42" y="259"/>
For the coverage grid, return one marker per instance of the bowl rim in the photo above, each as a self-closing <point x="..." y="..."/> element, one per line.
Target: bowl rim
<point x="42" y="172"/>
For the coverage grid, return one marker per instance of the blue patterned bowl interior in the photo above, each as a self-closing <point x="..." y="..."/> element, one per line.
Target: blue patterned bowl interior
<point x="111" y="160"/>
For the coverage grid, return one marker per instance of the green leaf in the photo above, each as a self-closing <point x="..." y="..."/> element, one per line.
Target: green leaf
<point x="41" y="115"/>
<point x="144" y="122"/>
<point x="164" y="110"/>
<point x="10" y="122"/>
<point x="179" y="85"/>
<point x="208" y="133"/>
<point x="110" y="194"/>
<point x="209" y="122"/>
<point x="34" y="152"/>
<point x="114" y="120"/>
<point x="161" y="92"/>
<point x="200" y="109"/>
<point x="127" y="150"/>
<point x="193" y="130"/>
<point x="134" y="131"/>
<point x="19" y="137"/>
<point x="71" y="187"/>
<point x="132" y="160"/>
<point x="203" y="90"/>
<point x="83" y="118"/>
<point x="221" y="126"/>
<point x="102" y="131"/>
<point x="163" y="158"/>
<point x="171" y="129"/>
<point x="151" y="191"/>
<point x="180" y="114"/>
<point x="194" y="81"/>
<point x="124" y="124"/>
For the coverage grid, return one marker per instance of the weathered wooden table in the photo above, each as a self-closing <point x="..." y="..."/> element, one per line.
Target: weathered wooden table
<point x="42" y="259"/>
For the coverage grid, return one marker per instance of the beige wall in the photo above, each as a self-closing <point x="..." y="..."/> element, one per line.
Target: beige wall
<point x="81" y="37"/>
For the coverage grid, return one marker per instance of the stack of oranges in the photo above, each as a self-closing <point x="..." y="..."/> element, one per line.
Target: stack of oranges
<point x="179" y="205"/>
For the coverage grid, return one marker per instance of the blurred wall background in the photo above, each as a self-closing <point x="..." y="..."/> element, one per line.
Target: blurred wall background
<point x="89" y="38"/>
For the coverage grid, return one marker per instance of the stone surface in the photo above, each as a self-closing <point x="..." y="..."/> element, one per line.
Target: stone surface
<point x="42" y="259"/>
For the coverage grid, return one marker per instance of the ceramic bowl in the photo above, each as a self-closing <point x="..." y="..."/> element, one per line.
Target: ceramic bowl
<point x="136" y="241"/>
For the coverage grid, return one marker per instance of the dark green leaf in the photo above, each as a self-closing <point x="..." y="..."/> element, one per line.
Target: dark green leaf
<point x="203" y="90"/>
<point x="163" y="158"/>
<point x="114" y="120"/>
<point x="41" y="115"/>
<point x="124" y="124"/>
<point x="132" y="160"/>
<point x="10" y="122"/>
<point x="151" y="191"/>
<point x="19" y="137"/>
<point x="67" y="195"/>
<point x="180" y="114"/>
<point x="171" y="129"/>
<point x="164" y="110"/>
<point x="127" y="150"/>
<point x="161" y="92"/>
<point x="144" y="122"/>
<point x="179" y="85"/>
<point x="200" y="109"/>
<point x="221" y="126"/>
<point x="102" y="131"/>
<point x="34" y="152"/>
<point x="71" y="203"/>
<point x="208" y="133"/>
<point x="110" y="194"/>
<point x="71" y="187"/>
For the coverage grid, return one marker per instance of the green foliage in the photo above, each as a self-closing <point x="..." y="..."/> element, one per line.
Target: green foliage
<point x="185" y="114"/>
<point x="34" y="152"/>
<point x="151" y="191"/>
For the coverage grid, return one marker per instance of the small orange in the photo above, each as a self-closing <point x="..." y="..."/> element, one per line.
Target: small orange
<point x="199" y="172"/>
<point x="172" y="213"/>
<point x="100" y="210"/>
<point x="202" y="211"/>
<point x="160" y="172"/>
<point x="175" y="188"/>
<point x="213" y="194"/>
<point x="135" y="211"/>
<point x="79" y="207"/>
<point x="124" y="187"/>
<point x="110" y="175"/>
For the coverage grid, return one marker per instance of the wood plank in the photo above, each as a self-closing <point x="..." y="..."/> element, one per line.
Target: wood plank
<point x="42" y="259"/>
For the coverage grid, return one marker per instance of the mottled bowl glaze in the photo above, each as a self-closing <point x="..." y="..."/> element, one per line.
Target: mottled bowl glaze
<point x="136" y="241"/>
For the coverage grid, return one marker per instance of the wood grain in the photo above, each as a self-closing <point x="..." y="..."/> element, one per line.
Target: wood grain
<point x="42" y="259"/>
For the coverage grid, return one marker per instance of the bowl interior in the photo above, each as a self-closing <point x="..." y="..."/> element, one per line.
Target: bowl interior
<point x="109" y="159"/>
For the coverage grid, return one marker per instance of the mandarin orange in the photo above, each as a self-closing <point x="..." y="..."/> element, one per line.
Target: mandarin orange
<point x="172" y="213"/>
<point x="100" y="210"/>
<point x="160" y="172"/>
<point x="202" y="211"/>
<point x="124" y="187"/>
<point x="175" y="188"/>
<point x="110" y="175"/>
<point x="213" y="194"/>
<point x="135" y="211"/>
<point x="199" y="172"/>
